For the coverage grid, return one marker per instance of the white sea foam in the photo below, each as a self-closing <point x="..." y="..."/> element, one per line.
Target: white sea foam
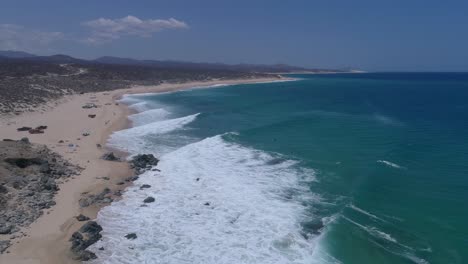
<point x="391" y="164"/>
<point x="362" y="211"/>
<point x="130" y="99"/>
<point x="372" y="230"/>
<point x="140" y="106"/>
<point x="149" y="116"/>
<point x="404" y="250"/>
<point x="133" y="140"/>
<point x="216" y="202"/>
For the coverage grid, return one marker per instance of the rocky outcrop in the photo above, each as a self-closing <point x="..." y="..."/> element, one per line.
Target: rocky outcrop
<point x="103" y="197"/>
<point x="29" y="178"/>
<point x="143" y="162"/>
<point x="88" y="234"/>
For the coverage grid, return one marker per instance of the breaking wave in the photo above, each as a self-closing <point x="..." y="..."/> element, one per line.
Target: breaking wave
<point x="216" y="202"/>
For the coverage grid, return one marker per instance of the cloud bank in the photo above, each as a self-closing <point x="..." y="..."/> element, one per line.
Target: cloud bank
<point x="98" y="31"/>
<point x="104" y="29"/>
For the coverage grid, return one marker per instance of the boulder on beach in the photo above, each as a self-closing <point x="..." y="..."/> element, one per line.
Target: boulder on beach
<point x="101" y="198"/>
<point x="89" y="105"/>
<point x="143" y="162"/>
<point x="110" y="156"/>
<point x="25" y="128"/>
<point x="82" y="218"/>
<point x="88" y="234"/>
<point x="36" y="131"/>
<point x="4" y="244"/>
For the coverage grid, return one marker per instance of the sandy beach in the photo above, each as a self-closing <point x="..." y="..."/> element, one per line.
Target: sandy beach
<point x="46" y="240"/>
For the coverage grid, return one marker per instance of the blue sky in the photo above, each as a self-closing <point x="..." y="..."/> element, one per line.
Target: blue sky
<point x="374" y="35"/>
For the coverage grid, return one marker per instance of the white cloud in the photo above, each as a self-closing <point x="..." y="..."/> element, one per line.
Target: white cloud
<point x="104" y="29"/>
<point x="16" y="37"/>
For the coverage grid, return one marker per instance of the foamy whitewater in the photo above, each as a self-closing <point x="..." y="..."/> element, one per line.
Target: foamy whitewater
<point x="216" y="202"/>
<point x="335" y="168"/>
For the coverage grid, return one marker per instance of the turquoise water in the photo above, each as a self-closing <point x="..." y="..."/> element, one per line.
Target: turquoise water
<point x="380" y="162"/>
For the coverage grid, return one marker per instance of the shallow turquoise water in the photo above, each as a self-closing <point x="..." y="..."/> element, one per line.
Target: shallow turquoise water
<point x="389" y="153"/>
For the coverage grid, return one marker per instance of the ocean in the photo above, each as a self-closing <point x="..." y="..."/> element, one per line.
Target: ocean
<point x="338" y="168"/>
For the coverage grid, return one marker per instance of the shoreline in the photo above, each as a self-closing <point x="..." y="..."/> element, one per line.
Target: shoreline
<point x="46" y="239"/>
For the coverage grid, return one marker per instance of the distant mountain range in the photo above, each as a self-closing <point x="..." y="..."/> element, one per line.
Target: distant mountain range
<point x="167" y="64"/>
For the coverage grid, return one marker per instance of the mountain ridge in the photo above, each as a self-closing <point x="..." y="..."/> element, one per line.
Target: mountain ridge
<point x="169" y="64"/>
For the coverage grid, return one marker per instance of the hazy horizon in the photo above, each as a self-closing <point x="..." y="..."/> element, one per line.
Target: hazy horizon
<point x="399" y="36"/>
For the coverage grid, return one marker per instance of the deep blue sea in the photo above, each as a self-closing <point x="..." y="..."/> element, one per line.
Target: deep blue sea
<point x="339" y="168"/>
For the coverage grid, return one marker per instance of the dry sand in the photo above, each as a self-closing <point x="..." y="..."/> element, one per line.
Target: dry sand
<point x="47" y="238"/>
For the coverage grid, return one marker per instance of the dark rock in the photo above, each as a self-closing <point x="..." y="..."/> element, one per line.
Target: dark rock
<point x="101" y="248"/>
<point x="50" y="184"/>
<point x="88" y="234"/>
<point x="96" y="199"/>
<point x="107" y="200"/>
<point x="132" y="178"/>
<point x="3" y="189"/>
<point x="131" y="236"/>
<point x="25" y="128"/>
<point x="41" y="127"/>
<point x="91" y="227"/>
<point x="36" y="131"/>
<point x="143" y="162"/>
<point x="76" y="236"/>
<point x="91" y="116"/>
<point x="45" y="167"/>
<point x="144" y="186"/>
<point x="149" y="200"/>
<point x="18" y="182"/>
<point x="5" y="229"/>
<point x="4" y="244"/>
<point x="82" y="218"/>
<point x="61" y="141"/>
<point x="25" y="140"/>
<point x="207" y="203"/>
<point x="86" y="255"/>
<point x="8" y="140"/>
<point x="89" y="105"/>
<point x="197" y="179"/>
<point x="110" y="156"/>
<point x="24" y="162"/>
<point x="120" y="183"/>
